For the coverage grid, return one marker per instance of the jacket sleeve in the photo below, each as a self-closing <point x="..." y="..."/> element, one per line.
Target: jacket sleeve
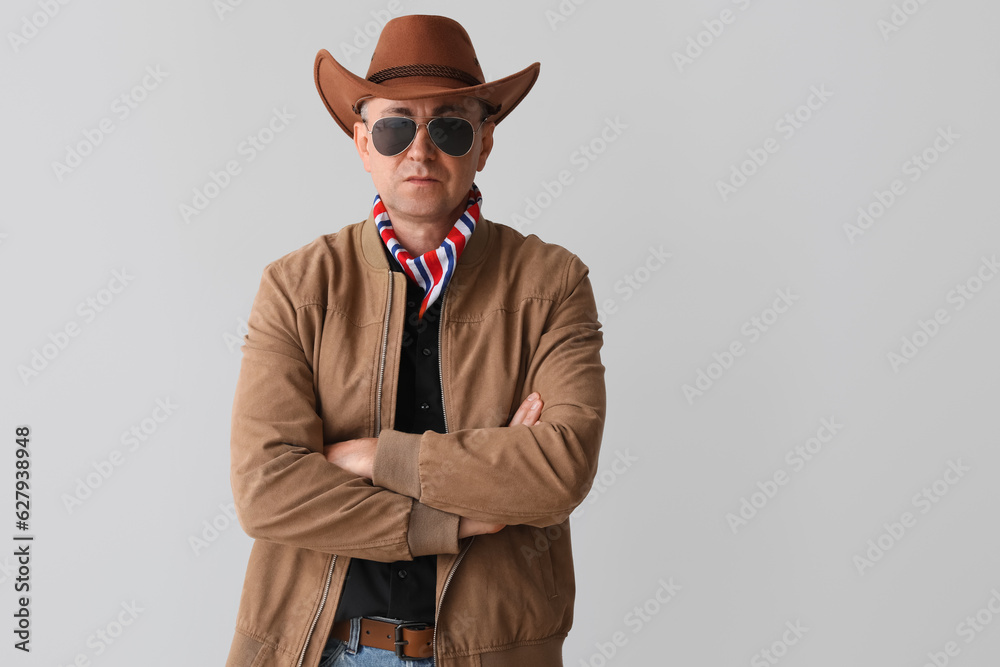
<point x="533" y="475"/>
<point x="284" y="489"/>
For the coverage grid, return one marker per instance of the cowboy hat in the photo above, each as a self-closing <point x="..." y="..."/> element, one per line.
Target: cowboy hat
<point x="417" y="57"/>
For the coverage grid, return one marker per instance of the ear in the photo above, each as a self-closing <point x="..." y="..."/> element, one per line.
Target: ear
<point x="362" y="141"/>
<point x="486" y="134"/>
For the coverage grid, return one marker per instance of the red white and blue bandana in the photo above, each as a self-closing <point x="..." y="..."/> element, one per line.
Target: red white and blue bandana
<point x="434" y="268"/>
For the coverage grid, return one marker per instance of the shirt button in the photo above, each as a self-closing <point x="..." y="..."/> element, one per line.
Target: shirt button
<point x="402" y="574"/>
<point x="427" y="352"/>
<point x="425" y="406"/>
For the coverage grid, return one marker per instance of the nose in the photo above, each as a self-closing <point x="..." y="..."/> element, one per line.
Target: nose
<point x="422" y="146"/>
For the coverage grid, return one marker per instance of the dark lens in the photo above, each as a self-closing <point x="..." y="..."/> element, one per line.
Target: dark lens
<point x="391" y="136"/>
<point x="452" y="135"/>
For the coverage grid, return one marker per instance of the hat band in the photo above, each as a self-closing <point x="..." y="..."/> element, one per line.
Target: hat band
<point x="442" y="71"/>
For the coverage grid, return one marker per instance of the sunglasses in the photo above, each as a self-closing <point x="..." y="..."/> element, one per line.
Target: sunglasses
<point x="453" y="135"/>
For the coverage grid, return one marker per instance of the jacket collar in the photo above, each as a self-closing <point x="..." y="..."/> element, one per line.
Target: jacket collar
<point x="374" y="250"/>
<point x="393" y="262"/>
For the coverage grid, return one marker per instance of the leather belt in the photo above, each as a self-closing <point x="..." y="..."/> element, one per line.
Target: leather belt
<point x="410" y="640"/>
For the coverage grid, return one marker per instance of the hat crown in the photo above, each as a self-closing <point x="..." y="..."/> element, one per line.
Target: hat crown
<point x="420" y="45"/>
<point x="418" y="57"/>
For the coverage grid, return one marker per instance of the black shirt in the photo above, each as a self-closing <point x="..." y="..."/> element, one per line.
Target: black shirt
<point x="404" y="589"/>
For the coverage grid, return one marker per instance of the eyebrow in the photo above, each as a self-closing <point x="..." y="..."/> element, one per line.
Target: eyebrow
<point x="404" y="111"/>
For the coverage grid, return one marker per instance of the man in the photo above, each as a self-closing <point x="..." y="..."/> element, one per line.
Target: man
<point x="408" y="489"/>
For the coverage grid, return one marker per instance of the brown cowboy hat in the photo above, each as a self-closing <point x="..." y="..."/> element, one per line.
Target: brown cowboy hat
<point x="417" y="57"/>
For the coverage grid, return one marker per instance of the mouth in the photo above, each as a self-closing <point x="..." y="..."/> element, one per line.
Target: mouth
<point x="421" y="180"/>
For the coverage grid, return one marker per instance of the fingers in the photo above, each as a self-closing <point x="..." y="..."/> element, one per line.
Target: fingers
<point x="467" y="527"/>
<point x="533" y="413"/>
<point x="528" y="412"/>
<point x="522" y="411"/>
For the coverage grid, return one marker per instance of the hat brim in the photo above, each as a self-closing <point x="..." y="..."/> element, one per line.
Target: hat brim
<point x="340" y="89"/>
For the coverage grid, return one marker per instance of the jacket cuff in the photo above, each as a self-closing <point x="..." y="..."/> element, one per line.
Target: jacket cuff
<point x="432" y="531"/>
<point x="397" y="456"/>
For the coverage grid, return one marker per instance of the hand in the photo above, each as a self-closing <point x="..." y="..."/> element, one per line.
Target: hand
<point x="526" y="415"/>
<point x="357" y="456"/>
<point x="467" y="527"/>
<point x="529" y="411"/>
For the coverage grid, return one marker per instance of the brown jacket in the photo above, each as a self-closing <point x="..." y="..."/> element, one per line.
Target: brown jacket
<point x="319" y="366"/>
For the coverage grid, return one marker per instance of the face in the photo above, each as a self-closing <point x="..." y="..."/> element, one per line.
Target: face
<point x="423" y="184"/>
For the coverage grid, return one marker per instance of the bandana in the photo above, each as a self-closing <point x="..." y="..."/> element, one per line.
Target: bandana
<point x="434" y="268"/>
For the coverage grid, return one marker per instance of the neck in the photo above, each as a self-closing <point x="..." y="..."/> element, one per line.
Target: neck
<point x="420" y="235"/>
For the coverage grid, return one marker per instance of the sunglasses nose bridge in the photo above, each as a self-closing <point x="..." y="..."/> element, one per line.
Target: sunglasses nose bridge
<point x="432" y="137"/>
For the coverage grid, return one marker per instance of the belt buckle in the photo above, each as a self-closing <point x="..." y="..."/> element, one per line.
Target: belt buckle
<point x="400" y="642"/>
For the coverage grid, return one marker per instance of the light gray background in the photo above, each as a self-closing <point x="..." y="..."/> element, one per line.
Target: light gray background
<point x="169" y="333"/>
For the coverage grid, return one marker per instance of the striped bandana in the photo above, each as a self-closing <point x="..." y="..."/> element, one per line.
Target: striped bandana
<point x="434" y="268"/>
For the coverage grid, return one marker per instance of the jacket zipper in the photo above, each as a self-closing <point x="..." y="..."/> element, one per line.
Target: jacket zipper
<point x="381" y="364"/>
<point x="444" y="414"/>
<point x="378" y="429"/>
<point x="326" y="591"/>
<point x="443" y="591"/>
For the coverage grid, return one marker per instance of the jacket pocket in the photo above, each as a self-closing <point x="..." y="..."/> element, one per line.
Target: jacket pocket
<point x="540" y="552"/>
<point x="547" y="576"/>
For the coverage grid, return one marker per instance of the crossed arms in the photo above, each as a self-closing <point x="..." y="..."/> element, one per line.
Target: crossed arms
<point x="416" y="489"/>
<point x="358" y="456"/>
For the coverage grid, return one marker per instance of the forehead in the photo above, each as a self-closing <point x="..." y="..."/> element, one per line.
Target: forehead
<point x="432" y="106"/>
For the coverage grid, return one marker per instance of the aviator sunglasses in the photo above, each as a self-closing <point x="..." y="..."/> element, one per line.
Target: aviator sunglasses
<point x="452" y="134"/>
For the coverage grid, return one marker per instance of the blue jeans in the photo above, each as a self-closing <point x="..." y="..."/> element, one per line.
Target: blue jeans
<point x="339" y="653"/>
